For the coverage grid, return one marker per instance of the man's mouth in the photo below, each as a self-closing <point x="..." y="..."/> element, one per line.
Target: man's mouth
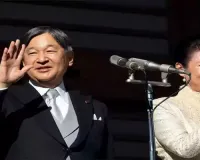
<point x="43" y="68"/>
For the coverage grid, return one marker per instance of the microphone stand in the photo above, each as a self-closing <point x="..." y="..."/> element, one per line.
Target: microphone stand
<point x="149" y="97"/>
<point x="149" y="94"/>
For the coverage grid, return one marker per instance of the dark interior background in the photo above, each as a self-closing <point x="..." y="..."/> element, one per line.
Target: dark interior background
<point x="101" y="28"/>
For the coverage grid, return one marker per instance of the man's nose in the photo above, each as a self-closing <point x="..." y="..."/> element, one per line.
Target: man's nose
<point x="42" y="58"/>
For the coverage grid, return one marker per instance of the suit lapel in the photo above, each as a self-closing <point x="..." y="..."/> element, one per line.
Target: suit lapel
<point x="38" y="109"/>
<point x="47" y="123"/>
<point x="84" y="112"/>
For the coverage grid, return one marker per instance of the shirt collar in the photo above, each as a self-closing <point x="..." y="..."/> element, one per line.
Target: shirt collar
<point x="61" y="89"/>
<point x="42" y="90"/>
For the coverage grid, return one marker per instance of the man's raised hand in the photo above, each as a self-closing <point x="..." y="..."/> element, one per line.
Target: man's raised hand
<point x="10" y="71"/>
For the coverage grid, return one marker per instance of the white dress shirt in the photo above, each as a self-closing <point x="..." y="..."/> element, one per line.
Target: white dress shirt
<point x="63" y="100"/>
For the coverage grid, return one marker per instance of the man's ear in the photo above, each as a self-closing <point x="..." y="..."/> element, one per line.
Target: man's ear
<point x="70" y="56"/>
<point x="180" y="66"/>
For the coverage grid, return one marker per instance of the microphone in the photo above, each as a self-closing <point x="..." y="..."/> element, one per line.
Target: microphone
<point x="118" y="61"/>
<point x="148" y="65"/>
<point x="123" y="62"/>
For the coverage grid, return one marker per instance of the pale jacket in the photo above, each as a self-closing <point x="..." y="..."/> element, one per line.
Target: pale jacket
<point x="177" y="126"/>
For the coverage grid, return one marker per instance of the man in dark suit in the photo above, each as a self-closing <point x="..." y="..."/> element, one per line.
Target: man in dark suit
<point x="41" y="119"/>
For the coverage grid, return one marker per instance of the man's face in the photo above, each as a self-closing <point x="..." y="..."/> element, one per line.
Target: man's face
<point x="194" y="69"/>
<point x="48" y="58"/>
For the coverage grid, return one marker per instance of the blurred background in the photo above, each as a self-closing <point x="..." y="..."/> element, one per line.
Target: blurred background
<point x="147" y="29"/>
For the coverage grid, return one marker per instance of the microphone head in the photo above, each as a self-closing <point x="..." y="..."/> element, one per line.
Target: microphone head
<point x="178" y="71"/>
<point x="117" y="60"/>
<point x="141" y="62"/>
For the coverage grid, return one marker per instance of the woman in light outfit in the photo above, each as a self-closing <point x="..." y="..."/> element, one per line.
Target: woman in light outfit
<point x="177" y="120"/>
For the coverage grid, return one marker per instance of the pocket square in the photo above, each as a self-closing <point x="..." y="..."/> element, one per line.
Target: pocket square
<point x="95" y="118"/>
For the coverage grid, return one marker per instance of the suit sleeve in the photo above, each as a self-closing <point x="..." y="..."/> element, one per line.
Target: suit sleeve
<point x="3" y="133"/>
<point x="3" y="92"/>
<point x="171" y="133"/>
<point x="2" y="97"/>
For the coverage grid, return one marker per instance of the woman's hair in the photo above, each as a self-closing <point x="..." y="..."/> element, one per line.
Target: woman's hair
<point x="62" y="39"/>
<point x="185" y="50"/>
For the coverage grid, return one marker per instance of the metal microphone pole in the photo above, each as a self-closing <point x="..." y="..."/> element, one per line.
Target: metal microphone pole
<point x="149" y="94"/>
<point x="149" y="97"/>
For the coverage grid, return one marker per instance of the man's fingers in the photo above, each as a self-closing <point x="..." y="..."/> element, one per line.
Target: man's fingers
<point x="26" y="69"/>
<point x="17" y="43"/>
<point x="11" y="48"/>
<point x="4" y="56"/>
<point x="21" y="53"/>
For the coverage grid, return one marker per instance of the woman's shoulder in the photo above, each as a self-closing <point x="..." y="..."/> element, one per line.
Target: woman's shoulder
<point x="172" y="102"/>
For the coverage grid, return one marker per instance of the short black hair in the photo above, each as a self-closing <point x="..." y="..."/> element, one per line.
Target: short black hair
<point x="62" y="38"/>
<point x="185" y="49"/>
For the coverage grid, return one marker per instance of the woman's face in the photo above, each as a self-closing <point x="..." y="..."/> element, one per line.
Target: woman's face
<point x="193" y="66"/>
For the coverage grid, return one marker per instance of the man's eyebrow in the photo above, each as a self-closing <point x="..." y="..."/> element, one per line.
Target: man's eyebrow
<point x="51" y="45"/>
<point x="30" y="48"/>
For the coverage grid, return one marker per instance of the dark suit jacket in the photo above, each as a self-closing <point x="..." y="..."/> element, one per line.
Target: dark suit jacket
<point x="28" y="131"/>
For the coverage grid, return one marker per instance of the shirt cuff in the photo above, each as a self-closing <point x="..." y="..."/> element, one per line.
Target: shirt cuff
<point x="1" y="89"/>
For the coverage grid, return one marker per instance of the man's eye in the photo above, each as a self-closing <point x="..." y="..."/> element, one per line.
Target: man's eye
<point x="32" y="53"/>
<point x="50" y="51"/>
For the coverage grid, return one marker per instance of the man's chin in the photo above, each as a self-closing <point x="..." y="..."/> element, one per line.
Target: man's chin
<point x="44" y="79"/>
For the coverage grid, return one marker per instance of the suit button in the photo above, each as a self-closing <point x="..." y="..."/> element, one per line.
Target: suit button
<point x="67" y="150"/>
